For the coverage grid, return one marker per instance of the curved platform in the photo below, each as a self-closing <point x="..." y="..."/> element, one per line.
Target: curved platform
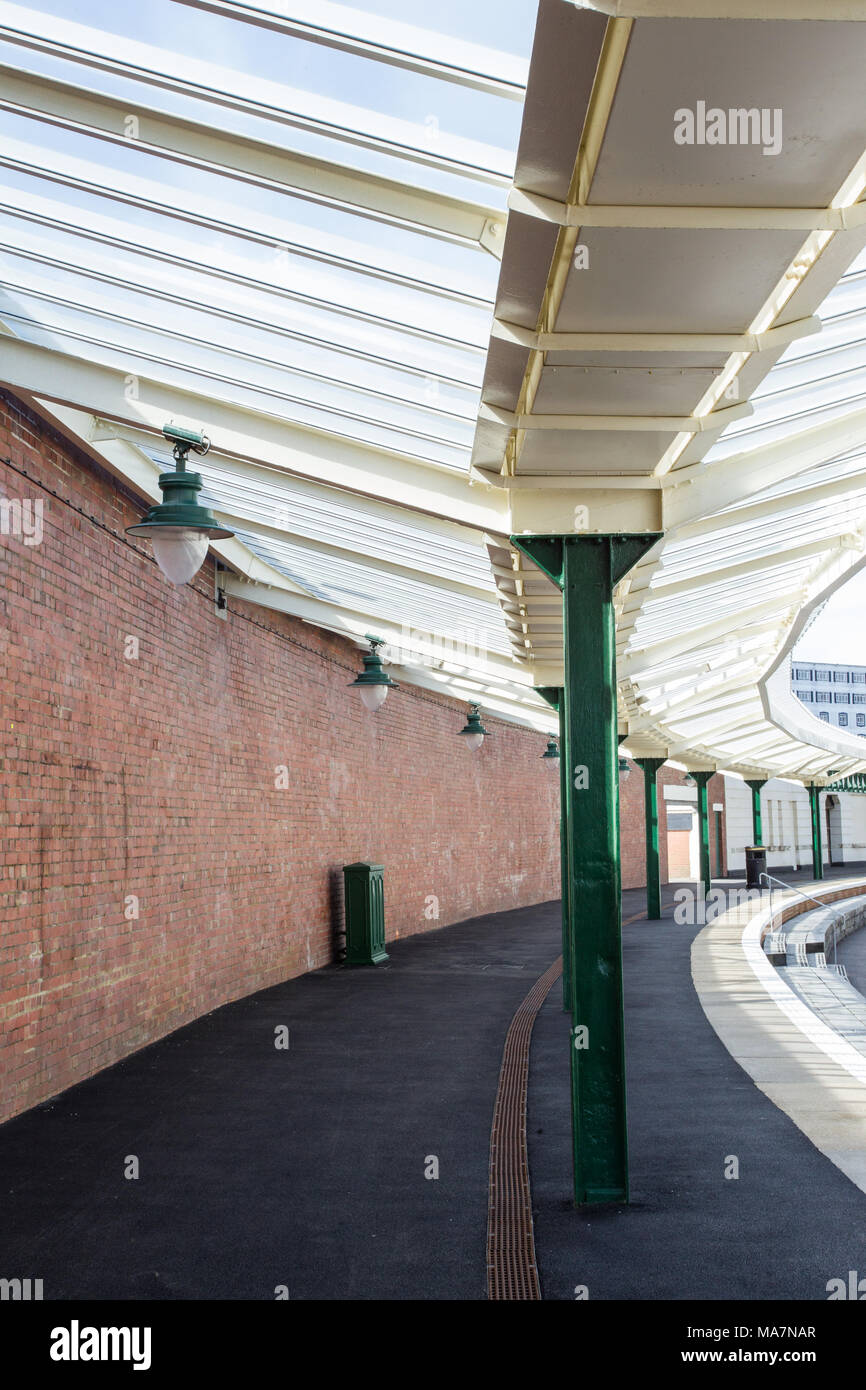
<point x="691" y="1232"/>
<point x="795" y="1053"/>
<point x="307" y="1168"/>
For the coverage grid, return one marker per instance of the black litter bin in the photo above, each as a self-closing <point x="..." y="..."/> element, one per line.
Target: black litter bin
<point x="756" y="864"/>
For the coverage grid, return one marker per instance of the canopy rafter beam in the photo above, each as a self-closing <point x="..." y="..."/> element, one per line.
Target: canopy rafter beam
<point x="771" y="341"/>
<point x="698" y="218"/>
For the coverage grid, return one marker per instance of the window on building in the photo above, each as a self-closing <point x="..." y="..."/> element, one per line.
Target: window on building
<point x="822" y="675"/>
<point x="858" y="677"/>
<point x="804" y="695"/>
<point x="802" y="675"/>
<point x="824" y="715"/>
<point x="861" y="721"/>
<point x="858" y="699"/>
<point x="842" y="699"/>
<point x="823" y="697"/>
<point x="840" y="676"/>
<point x="843" y="720"/>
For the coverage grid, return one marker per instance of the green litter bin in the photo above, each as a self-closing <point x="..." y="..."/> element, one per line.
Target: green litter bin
<point x="365" y="914"/>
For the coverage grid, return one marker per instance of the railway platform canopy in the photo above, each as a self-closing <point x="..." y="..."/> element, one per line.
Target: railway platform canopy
<point x="534" y="349"/>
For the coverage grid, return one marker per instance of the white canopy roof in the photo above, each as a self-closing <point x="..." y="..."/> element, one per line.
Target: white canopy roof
<point x="671" y="352"/>
<point x="283" y="223"/>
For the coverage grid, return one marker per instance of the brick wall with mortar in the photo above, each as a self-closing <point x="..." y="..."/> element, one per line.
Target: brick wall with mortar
<point x="147" y="785"/>
<point x="154" y="778"/>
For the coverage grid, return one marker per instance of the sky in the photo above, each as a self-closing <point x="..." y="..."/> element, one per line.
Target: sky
<point x="838" y="634"/>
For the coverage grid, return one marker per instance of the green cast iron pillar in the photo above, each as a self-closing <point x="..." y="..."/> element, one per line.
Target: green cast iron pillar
<point x="757" y="828"/>
<point x="554" y="697"/>
<point x="702" y="778"/>
<point x="817" y="848"/>
<point x="586" y="568"/>
<point x="650" y="767"/>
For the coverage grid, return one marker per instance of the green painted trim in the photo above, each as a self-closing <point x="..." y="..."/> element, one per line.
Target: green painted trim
<point x="592" y="799"/>
<point x="815" y="815"/>
<point x="565" y="880"/>
<point x="546" y="552"/>
<point x="650" y="767"/>
<point x="551" y="693"/>
<point x="702" y="779"/>
<point x="855" y="784"/>
<point x="554" y="696"/>
<point x="624" y="550"/>
<point x="586" y="568"/>
<point x="757" y="824"/>
<point x="374" y="673"/>
<point x="473" y="723"/>
<point x="180" y="508"/>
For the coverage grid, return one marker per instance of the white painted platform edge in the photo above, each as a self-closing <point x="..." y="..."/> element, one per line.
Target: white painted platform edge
<point x="818" y="1032"/>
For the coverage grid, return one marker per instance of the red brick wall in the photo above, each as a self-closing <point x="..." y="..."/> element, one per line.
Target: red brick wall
<point x="155" y="778"/>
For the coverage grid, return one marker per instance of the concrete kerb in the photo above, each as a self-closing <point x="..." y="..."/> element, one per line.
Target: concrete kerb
<point x="811" y="1073"/>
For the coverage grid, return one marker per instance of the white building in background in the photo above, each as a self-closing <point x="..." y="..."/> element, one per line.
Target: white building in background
<point x="834" y="694"/>
<point x="786" y="824"/>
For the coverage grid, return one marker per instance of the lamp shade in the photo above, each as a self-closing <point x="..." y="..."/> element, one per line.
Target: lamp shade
<point x="372" y="696"/>
<point x="179" y="551"/>
<point x="179" y="529"/>
<point x="624" y="769"/>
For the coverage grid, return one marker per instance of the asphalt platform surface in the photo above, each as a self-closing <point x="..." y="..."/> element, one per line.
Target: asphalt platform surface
<point x="307" y="1167"/>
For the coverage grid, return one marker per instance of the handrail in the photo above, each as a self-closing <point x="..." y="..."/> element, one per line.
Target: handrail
<point x="792" y="887"/>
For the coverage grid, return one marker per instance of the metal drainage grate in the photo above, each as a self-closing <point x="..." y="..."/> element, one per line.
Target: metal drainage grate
<point x="512" y="1272"/>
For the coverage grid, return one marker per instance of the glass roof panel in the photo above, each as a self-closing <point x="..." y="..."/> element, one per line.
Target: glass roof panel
<point x="339" y="519"/>
<point x="817" y="380"/>
<point x="393" y="597"/>
<point x="366" y="114"/>
<point x="323" y="302"/>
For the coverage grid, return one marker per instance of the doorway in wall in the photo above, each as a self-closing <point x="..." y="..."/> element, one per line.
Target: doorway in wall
<point x="682" y="833"/>
<point x="834" y="829"/>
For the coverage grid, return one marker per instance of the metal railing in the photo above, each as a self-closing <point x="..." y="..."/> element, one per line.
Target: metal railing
<point x="792" y="888"/>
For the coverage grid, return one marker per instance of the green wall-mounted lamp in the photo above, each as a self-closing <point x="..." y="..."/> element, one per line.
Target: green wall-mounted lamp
<point x="474" y="731"/>
<point x="624" y="769"/>
<point x="178" y="527"/>
<point x="374" y="681"/>
<point x="550" y="756"/>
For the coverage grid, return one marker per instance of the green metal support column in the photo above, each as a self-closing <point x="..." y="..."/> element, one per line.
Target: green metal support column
<point x="757" y="828"/>
<point x="554" y="696"/>
<point x="567" y="964"/>
<point x="586" y="568"/>
<point x="650" y="767"/>
<point x="702" y="778"/>
<point x="817" y="848"/>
